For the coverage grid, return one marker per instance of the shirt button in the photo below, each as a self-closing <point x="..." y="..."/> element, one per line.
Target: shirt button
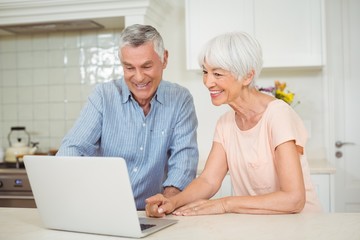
<point x="141" y="148"/>
<point x="135" y="169"/>
<point x="144" y="124"/>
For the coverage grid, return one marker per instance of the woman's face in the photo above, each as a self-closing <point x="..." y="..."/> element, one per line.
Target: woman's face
<point x="223" y="86"/>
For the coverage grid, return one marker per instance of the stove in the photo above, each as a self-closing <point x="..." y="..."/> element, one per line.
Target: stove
<point x="15" y="190"/>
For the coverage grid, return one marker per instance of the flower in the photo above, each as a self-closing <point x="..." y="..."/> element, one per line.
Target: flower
<point x="279" y="92"/>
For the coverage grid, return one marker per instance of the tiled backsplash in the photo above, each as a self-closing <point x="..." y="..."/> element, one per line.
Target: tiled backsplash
<point x="45" y="80"/>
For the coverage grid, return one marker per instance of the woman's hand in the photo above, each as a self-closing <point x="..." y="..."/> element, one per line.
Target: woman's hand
<point x="202" y="207"/>
<point x="158" y="206"/>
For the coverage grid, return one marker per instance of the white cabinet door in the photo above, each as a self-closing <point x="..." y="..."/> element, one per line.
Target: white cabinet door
<point x="207" y="18"/>
<point x="322" y="185"/>
<point x="290" y="31"/>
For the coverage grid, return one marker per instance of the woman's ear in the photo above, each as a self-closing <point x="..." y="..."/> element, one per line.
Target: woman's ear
<point x="249" y="78"/>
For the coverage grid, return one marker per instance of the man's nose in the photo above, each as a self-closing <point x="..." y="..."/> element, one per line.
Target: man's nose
<point x="139" y="75"/>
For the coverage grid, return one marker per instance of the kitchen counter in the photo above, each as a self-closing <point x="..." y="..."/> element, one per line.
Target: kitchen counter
<point x="18" y="224"/>
<point x="320" y="166"/>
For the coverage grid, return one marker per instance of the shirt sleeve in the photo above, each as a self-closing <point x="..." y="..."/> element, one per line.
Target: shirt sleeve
<point x="83" y="137"/>
<point x="183" y="151"/>
<point x="286" y="125"/>
<point x="220" y="128"/>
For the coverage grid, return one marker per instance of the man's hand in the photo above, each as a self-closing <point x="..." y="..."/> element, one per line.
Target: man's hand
<point x="170" y="191"/>
<point x="158" y="206"/>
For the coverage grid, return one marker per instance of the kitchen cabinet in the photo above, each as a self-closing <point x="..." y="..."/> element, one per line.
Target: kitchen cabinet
<point x="290" y="31"/>
<point x="322" y="185"/>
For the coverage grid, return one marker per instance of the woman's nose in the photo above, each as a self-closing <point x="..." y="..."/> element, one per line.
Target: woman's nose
<point x="208" y="81"/>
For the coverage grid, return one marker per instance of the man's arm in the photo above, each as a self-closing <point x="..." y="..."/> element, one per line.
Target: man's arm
<point x="184" y="154"/>
<point x="83" y="137"/>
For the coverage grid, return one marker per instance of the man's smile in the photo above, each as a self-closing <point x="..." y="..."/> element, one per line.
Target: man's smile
<point x="141" y="85"/>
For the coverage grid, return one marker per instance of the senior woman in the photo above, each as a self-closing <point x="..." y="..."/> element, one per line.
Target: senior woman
<point x="260" y="141"/>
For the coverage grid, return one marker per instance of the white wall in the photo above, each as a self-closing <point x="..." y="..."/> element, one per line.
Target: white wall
<point x="46" y="78"/>
<point x="49" y="113"/>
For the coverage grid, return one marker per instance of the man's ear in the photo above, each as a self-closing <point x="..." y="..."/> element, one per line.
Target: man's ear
<point x="165" y="60"/>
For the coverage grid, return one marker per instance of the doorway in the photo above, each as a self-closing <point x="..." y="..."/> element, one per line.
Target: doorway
<point x="343" y="86"/>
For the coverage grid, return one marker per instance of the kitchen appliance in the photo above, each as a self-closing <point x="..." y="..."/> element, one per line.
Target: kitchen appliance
<point x="15" y="190"/>
<point x="18" y="149"/>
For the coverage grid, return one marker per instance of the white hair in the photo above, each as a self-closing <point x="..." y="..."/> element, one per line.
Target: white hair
<point x="236" y="52"/>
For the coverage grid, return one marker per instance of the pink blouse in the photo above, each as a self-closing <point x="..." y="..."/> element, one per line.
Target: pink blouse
<point x="251" y="153"/>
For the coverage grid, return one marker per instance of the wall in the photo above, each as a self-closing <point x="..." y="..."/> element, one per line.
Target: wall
<point x="45" y="79"/>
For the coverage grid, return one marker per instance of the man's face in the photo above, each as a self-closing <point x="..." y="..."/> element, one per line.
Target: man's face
<point x="143" y="70"/>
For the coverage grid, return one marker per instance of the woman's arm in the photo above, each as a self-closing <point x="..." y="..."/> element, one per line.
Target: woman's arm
<point x="291" y="196"/>
<point x="289" y="199"/>
<point x="203" y="187"/>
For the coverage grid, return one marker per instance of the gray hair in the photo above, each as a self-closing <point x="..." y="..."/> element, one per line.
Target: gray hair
<point x="236" y="52"/>
<point x="137" y="35"/>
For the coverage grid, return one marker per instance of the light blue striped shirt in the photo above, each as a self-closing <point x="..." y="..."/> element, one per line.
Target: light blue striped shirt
<point x="160" y="149"/>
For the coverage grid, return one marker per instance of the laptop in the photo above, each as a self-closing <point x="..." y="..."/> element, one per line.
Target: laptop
<point x="89" y="195"/>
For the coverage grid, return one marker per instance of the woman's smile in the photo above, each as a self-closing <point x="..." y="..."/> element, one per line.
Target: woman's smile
<point x="216" y="93"/>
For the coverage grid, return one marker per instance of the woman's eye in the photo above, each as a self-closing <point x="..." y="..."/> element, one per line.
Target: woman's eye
<point x="217" y="74"/>
<point x="204" y="72"/>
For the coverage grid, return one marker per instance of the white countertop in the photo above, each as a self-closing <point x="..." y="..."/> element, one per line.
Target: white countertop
<point x="19" y="224"/>
<point x="317" y="166"/>
<point x="321" y="167"/>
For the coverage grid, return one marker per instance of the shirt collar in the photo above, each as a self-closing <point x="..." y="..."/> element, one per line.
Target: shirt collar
<point x="126" y="94"/>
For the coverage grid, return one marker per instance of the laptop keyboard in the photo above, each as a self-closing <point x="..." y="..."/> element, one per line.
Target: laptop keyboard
<point x="146" y="226"/>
